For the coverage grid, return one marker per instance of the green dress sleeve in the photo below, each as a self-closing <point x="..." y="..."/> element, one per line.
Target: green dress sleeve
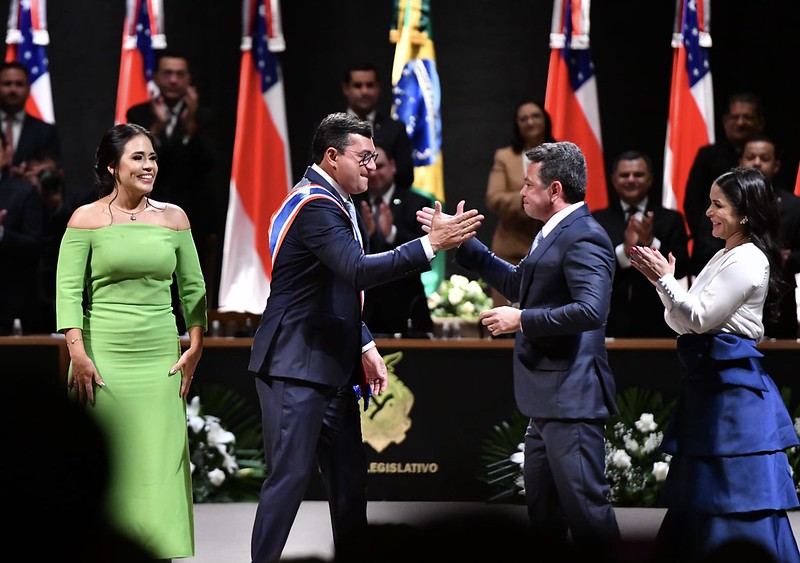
<point x="71" y="273"/>
<point x="191" y="285"/>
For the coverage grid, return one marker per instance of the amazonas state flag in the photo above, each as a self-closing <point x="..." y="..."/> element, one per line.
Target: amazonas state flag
<point x="261" y="171"/>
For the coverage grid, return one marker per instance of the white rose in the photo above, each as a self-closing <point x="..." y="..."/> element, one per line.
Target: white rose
<point x="455" y="296"/>
<point x="621" y="459"/>
<point x="797" y="425"/>
<point x="660" y="470"/>
<point x="518" y="458"/>
<point x="460" y="282"/>
<point x="218" y="435"/>
<point x="474" y="288"/>
<point x="434" y="299"/>
<point x="466" y="308"/>
<point x="646" y="423"/>
<point x="216" y="476"/>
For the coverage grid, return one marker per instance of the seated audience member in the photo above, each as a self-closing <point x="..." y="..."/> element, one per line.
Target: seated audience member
<point x="762" y="153"/>
<point x="20" y="248"/>
<point x="743" y="118"/>
<point x="390" y="216"/>
<point x="636" y="310"/>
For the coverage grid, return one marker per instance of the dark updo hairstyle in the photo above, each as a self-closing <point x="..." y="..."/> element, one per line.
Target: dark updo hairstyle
<point x="754" y="200"/>
<point x="109" y="152"/>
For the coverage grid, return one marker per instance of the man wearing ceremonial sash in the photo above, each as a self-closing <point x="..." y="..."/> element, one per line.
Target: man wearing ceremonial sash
<point x="312" y="351"/>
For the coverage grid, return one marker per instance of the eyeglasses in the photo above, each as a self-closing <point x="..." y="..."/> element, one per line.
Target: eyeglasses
<point x="365" y="157"/>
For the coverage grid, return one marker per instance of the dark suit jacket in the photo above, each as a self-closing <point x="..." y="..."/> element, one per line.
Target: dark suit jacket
<point x="561" y="367"/>
<point x="36" y="137"/>
<point x="389" y="307"/>
<point x="20" y="250"/>
<point x="636" y="310"/>
<point x="391" y="134"/>
<point x="710" y="162"/>
<point x="311" y="328"/>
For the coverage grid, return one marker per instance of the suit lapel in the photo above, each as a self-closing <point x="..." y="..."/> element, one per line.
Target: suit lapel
<point x="529" y="263"/>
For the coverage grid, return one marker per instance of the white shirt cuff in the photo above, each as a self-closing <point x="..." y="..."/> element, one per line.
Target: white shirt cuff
<point x="426" y="244"/>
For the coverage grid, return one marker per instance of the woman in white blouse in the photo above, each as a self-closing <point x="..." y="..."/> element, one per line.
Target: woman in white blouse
<point x="729" y="478"/>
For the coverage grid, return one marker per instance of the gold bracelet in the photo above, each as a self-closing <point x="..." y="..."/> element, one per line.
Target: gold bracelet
<point x="73" y="341"/>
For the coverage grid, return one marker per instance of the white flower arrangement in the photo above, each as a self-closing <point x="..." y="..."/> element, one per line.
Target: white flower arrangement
<point x="459" y="297"/>
<point x="636" y="468"/>
<point x="216" y="472"/>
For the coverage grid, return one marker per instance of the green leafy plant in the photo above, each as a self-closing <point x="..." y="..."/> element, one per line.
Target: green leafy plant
<point x="225" y="446"/>
<point x="635" y="466"/>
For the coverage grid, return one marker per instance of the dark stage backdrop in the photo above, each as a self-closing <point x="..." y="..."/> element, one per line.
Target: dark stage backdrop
<point x="490" y="54"/>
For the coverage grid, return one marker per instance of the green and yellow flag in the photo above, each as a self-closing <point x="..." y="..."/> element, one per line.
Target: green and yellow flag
<point x="416" y="102"/>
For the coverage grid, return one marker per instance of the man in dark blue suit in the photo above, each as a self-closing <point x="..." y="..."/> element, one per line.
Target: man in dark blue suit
<point x="25" y="135"/>
<point x="312" y="352"/>
<point x="562" y="379"/>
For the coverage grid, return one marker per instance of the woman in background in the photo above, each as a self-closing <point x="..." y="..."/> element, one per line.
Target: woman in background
<point x="515" y="230"/>
<point x="126" y="363"/>
<point x="729" y="478"/>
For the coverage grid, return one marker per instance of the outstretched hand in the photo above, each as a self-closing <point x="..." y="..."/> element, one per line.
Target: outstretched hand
<point x="448" y="231"/>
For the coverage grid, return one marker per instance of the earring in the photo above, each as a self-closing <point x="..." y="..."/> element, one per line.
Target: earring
<point x="743" y="221"/>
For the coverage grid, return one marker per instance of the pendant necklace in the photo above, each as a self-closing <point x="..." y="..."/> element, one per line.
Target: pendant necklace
<point x="132" y="215"/>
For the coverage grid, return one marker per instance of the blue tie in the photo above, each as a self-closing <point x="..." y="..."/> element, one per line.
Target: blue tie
<point x="536" y="241"/>
<point x="351" y="210"/>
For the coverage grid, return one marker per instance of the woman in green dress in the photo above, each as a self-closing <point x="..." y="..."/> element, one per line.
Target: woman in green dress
<point x="113" y="302"/>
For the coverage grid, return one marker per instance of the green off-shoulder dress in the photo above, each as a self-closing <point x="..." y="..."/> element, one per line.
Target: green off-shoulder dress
<point x="129" y="332"/>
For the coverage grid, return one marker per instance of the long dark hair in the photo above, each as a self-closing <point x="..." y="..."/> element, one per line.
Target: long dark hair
<point x="517" y="142"/>
<point x="109" y="152"/>
<point x="754" y="200"/>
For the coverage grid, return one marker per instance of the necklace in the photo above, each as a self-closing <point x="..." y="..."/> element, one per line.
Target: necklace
<point x="132" y="214"/>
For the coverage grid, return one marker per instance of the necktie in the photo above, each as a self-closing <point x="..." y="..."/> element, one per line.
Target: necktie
<point x="351" y="210"/>
<point x="630" y="212"/>
<point x="536" y="241"/>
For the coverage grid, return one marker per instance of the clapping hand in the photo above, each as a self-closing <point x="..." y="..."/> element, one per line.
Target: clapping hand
<point x="652" y="263"/>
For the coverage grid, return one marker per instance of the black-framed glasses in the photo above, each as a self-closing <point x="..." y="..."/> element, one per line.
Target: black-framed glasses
<point x="365" y="157"/>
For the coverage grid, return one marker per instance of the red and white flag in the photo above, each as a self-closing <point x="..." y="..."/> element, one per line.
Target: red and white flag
<point x="571" y="97"/>
<point x="691" y="99"/>
<point x="261" y="171"/>
<point x="142" y="32"/>
<point x="797" y="183"/>
<point x="26" y="40"/>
